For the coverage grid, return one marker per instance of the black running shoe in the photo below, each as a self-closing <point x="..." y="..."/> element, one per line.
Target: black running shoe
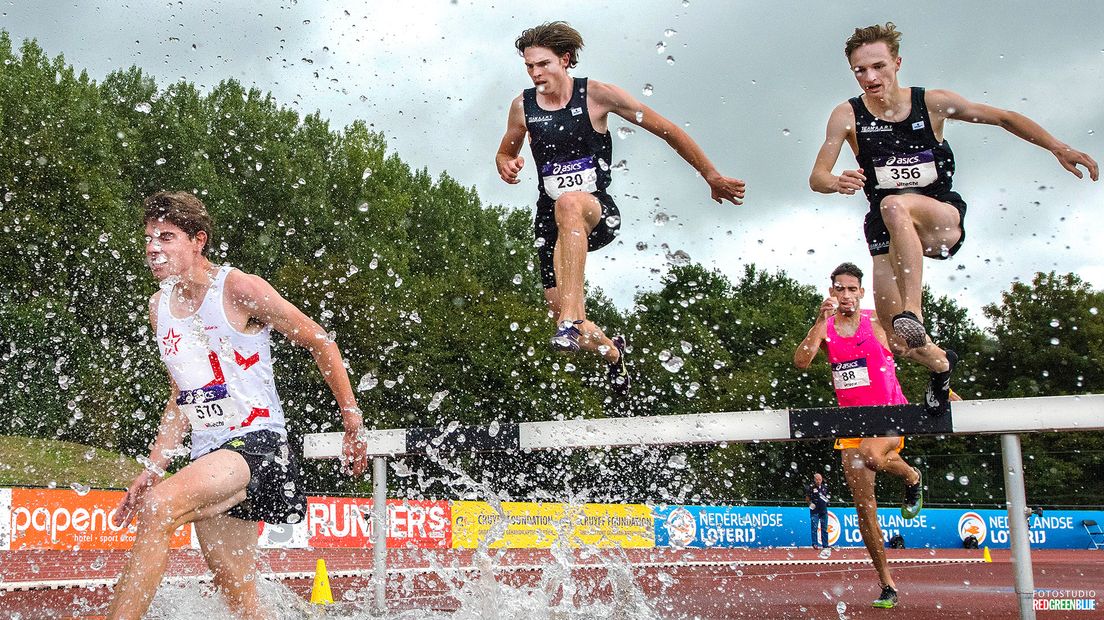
<point x="567" y="336"/>
<point x="888" y="599"/>
<point x="619" y="371"/>
<point x="909" y="328"/>
<point x="937" y="398"/>
<point x="914" y="497"/>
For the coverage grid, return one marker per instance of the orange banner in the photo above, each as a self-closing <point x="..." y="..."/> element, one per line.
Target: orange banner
<point x="63" y="519"/>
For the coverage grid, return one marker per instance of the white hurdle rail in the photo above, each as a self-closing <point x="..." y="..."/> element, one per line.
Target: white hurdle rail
<point x="1006" y="417"/>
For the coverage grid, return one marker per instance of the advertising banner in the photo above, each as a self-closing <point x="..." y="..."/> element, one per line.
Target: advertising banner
<point x="767" y="526"/>
<point x="64" y="519"/>
<point x="532" y="525"/>
<point x="5" y="519"/>
<point x="347" y="522"/>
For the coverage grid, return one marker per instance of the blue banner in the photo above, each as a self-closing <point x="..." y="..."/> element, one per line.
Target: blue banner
<point x="772" y="526"/>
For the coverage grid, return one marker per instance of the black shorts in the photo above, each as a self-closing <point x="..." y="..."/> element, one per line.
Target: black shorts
<point x="274" y="494"/>
<point x="877" y="235"/>
<point x="545" y="232"/>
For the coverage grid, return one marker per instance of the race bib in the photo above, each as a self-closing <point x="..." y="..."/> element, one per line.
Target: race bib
<point x="906" y="171"/>
<point x="578" y="175"/>
<point x="850" y="374"/>
<point x="211" y="407"/>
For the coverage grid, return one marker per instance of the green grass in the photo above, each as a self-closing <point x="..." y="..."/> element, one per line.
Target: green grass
<point x="29" y="461"/>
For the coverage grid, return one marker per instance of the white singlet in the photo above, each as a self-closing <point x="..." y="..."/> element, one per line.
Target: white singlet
<point x="225" y="376"/>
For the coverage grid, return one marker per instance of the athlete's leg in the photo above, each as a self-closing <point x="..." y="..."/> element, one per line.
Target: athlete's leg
<point x="860" y="479"/>
<point x="208" y="486"/>
<point x="880" y="455"/>
<point x="887" y="304"/>
<point x="577" y="213"/>
<point x="918" y="226"/>
<point x="230" y="547"/>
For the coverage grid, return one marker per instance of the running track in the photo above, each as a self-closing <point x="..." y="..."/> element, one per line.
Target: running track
<point x="742" y="583"/>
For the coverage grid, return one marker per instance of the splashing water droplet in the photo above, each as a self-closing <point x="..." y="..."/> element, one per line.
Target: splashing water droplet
<point x="648" y="90"/>
<point x="438" y="398"/>
<point x="517" y="278"/>
<point x="625" y="132"/>
<point x="144" y="108"/>
<point x="367" y="173"/>
<point x="670" y="32"/>
<point x="785" y="132"/>
<point x="661" y="218"/>
<point x="81" y="489"/>
<point x="367" y="382"/>
<point x="949" y="476"/>
<point x="661" y="47"/>
<point x="670" y="60"/>
<point x="613" y="221"/>
<point x="963" y="480"/>
<point x="677" y="461"/>
<point x="641" y="246"/>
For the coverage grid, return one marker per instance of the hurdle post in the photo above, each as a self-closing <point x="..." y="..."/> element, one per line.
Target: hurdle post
<point x="1016" y="497"/>
<point x="379" y="533"/>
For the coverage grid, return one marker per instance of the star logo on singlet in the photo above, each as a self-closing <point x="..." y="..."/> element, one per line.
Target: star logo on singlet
<point x="171" y="342"/>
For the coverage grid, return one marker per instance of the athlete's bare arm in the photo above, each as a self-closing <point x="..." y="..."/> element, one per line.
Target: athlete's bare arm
<point x="947" y="104"/>
<point x="264" y="304"/>
<point x="806" y="351"/>
<point x="841" y="129"/>
<point x="508" y="159"/>
<point x="173" y="427"/>
<point x="610" y="98"/>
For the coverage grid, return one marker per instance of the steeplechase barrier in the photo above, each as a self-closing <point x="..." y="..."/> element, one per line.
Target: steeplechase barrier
<point x="1006" y="417"/>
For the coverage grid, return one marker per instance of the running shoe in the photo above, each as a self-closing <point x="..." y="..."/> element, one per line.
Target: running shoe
<point x="909" y="328"/>
<point x="825" y="553"/>
<point x="619" y="371"/>
<point x="888" y="599"/>
<point x="914" y="497"/>
<point x="567" y="336"/>
<point x="937" y="398"/>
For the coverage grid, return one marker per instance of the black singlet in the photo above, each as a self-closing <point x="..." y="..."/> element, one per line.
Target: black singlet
<point x="570" y="156"/>
<point x="903" y="156"/>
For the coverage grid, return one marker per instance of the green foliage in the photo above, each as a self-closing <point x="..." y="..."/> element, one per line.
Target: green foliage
<point x="435" y="301"/>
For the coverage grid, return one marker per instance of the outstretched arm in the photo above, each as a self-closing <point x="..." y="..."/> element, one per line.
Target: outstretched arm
<point x="621" y="103"/>
<point x="507" y="160"/>
<point x="266" y="305"/>
<point x="841" y="124"/>
<point x="807" y="350"/>
<point x="952" y="105"/>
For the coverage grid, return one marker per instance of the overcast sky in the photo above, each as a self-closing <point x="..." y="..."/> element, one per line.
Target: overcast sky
<point x="752" y="82"/>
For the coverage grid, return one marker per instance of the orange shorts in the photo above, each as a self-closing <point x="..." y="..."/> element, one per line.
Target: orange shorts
<point x="853" y="443"/>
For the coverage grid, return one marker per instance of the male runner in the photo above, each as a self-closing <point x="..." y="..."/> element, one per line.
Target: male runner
<point x="567" y="122"/>
<point x="212" y="325"/>
<point x="905" y="169"/>
<point x="863" y="373"/>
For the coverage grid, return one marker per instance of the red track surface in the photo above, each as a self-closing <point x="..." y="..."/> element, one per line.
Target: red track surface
<point x="733" y="584"/>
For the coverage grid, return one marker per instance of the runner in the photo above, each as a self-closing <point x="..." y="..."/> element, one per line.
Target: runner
<point x="212" y="325"/>
<point x="905" y="169"/>
<point x="567" y="122"/>
<point x="863" y="373"/>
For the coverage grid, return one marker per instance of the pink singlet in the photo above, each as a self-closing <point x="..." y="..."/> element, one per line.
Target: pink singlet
<point x="863" y="371"/>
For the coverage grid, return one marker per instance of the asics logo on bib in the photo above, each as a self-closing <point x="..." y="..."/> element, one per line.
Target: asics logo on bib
<point x="571" y="166"/>
<point x="848" y="365"/>
<point x="902" y="160"/>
